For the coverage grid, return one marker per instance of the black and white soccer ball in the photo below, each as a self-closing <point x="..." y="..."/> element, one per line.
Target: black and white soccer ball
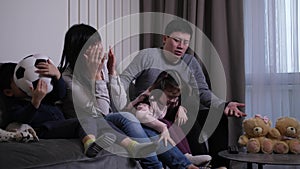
<point x="25" y="76"/>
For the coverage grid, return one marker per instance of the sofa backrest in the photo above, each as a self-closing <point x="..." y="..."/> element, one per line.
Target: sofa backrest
<point x="2" y="106"/>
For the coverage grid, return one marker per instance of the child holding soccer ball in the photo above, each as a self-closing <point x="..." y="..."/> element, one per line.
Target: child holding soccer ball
<point x="45" y="117"/>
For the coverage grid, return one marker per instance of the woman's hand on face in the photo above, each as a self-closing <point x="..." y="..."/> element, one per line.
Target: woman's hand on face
<point x="94" y="57"/>
<point x="111" y="64"/>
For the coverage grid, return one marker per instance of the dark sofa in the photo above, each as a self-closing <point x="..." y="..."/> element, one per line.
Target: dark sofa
<point x="59" y="154"/>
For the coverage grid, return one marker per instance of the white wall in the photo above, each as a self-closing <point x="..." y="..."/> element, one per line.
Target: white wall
<point x="32" y="26"/>
<point x="39" y="26"/>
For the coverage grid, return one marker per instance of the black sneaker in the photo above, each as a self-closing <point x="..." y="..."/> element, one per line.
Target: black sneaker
<point x="104" y="141"/>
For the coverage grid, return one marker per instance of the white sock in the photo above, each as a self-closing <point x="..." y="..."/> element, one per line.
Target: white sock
<point x="198" y="159"/>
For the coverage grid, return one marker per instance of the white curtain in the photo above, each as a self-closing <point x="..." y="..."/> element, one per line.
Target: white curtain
<point x="272" y="58"/>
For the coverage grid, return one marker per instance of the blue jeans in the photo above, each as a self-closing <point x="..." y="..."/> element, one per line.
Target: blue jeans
<point x="131" y="126"/>
<point x="169" y="155"/>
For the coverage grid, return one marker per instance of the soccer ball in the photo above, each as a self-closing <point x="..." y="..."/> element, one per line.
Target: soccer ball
<point x="25" y="76"/>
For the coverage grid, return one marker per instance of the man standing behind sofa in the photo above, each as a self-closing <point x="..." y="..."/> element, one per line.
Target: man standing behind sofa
<point x="149" y="63"/>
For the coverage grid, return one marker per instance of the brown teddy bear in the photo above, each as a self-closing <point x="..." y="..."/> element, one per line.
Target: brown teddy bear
<point x="258" y="135"/>
<point x="289" y="129"/>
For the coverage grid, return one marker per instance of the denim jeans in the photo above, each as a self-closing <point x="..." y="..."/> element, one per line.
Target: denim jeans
<point x="98" y="126"/>
<point x="131" y="126"/>
<point x="169" y="155"/>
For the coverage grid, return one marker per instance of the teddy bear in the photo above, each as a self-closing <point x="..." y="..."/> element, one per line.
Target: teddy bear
<point x="289" y="141"/>
<point x="258" y="135"/>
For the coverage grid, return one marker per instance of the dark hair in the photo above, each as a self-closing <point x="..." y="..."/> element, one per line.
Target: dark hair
<point x="169" y="79"/>
<point x="178" y="25"/>
<point x="77" y="39"/>
<point x="6" y="75"/>
<point x="165" y="79"/>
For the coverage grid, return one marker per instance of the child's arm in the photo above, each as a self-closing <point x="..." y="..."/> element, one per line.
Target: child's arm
<point x="23" y="111"/>
<point x="142" y="97"/>
<point x="48" y="69"/>
<point x="59" y="87"/>
<point x="144" y="114"/>
<point x="181" y="117"/>
<point x="59" y="90"/>
<point x="19" y="111"/>
<point x="39" y="93"/>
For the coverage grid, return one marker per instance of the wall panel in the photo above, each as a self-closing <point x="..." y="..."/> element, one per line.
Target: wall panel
<point x="32" y="26"/>
<point x="39" y="26"/>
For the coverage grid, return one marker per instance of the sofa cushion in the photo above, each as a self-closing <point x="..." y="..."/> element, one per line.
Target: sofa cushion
<point x="57" y="153"/>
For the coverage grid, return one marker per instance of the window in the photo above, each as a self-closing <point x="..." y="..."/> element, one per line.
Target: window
<point x="272" y="61"/>
<point x="281" y="34"/>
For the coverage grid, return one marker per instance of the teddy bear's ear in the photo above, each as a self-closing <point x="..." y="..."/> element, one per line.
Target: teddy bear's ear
<point x="244" y="121"/>
<point x="270" y="123"/>
<point x="293" y="118"/>
<point x="279" y="119"/>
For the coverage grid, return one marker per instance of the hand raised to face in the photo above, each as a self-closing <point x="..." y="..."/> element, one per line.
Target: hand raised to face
<point x="39" y="93"/>
<point x="111" y="64"/>
<point x="48" y="69"/>
<point x="94" y="57"/>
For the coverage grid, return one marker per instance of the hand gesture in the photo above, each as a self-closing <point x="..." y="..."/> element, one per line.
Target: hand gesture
<point x="48" y="69"/>
<point x="181" y="117"/>
<point x="111" y="63"/>
<point x="140" y="98"/>
<point x="94" y="58"/>
<point x="39" y="93"/>
<point x="165" y="136"/>
<point x="232" y="109"/>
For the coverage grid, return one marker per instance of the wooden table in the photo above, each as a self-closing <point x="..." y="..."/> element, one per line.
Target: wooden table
<point x="261" y="159"/>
